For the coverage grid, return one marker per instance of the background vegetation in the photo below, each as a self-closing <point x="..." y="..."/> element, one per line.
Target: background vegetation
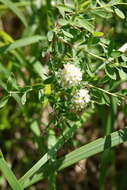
<point x="36" y="38"/>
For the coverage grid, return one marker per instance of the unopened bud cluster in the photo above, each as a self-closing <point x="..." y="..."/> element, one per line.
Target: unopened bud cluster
<point x="71" y="76"/>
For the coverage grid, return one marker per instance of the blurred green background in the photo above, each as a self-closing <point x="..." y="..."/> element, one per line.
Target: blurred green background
<point x="18" y="139"/>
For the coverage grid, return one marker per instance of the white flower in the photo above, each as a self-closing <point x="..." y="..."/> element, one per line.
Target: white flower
<point x="81" y="99"/>
<point x="70" y="75"/>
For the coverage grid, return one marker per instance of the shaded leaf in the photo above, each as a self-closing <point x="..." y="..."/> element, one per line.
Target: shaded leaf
<point x="4" y="101"/>
<point x="110" y="71"/>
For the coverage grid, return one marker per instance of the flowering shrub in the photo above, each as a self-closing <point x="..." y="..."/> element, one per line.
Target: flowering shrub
<point x="68" y="63"/>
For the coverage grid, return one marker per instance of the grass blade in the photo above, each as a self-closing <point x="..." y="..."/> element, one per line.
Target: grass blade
<point x="21" y="43"/>
<point x="68" y="133"/>
<point x="81" y="153"/>
<point x="15" y="185"/>
<point x="51" y="142"/>
<point x="93" y="148"/>
<point x="17" y="4"/>
<point x="108" y="123"/>
<point x="15" y="9"/>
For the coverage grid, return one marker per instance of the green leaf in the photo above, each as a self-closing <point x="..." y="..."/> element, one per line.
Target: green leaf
<point x="124" y="65"/>
<point x="97" y="96"/>
<point x="35" y="129"/>
<point x="1" y="154"/>
<point x="106" y="99"/>
<point x="122" y="74"/>
<point x="83" y="23"/>
<point x="63" y="22"/>
<point x="23" y="98"/>
<point x="4" y="101"/>
<point x="93" y="148"/>
<point x="40" y="95"/>
<point x="17" y="99"/>
<point x="15" y="185"/>
<point x="4" y="71"/>
<point x="37" y="136"/>
<point x="21" y="43"/>
<point x="124" y="57"/>
<point x="5" y="36"/>
<point x="110" y="71"/>
<point x="51" y="142"/>
<point x="67" y="34"/>
<point x="114" y="2"/>
<point x="102" y="13"/>
<point x="108" y="124"/>
<point x="85" y="5"/>
<point x="47" y="89"/>
<point x="3" y="85"/>
<point x="39" y="69"/>
<point x="68" y="133"/>
<point x="98" y="34"/>
<point x="63" y="8"/>
<point x="116" y="54"/>
<point x="15" y="9"/>
<point x="50" y="36"/>
<point x="11" y="82"/>
<point x="89" y="71"/>
<point x="119" y="13"/>
<point x="81" y="153"/>
<point x="72" y="116"/>
<point x="49" y="80"/>
<point x="17" y="4"/>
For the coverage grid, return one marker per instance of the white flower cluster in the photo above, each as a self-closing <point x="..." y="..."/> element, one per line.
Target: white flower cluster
<point x="80" y="99"/>
<point x="70" y="75"/>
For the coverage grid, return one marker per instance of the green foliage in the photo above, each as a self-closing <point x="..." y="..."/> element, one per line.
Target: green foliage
<point x="63" y="47"/>
<point x="9" y="175"/>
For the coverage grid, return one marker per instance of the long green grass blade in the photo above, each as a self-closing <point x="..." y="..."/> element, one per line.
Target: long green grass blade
<point x="15" y="9"/>
<point x="68" y="133"/>
<point x="15" y="185"/>
<point x="81" y="153"/>
<point x="21" y="43"/>
<point x="108" y="123"/>
<point x="51" y="142"/>
<point x="93" y="148"/>
<point x="17" y="4"/>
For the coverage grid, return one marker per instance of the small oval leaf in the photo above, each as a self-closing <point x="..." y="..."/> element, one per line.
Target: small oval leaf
<point x="110" y="72"/>
<point x="23" y="99"/>
<point x="119" y="13"/>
